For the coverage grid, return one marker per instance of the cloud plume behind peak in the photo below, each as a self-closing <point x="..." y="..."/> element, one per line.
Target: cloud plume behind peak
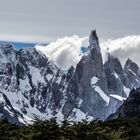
<point x="67" y="51"/>
<point x="123" y="48"/>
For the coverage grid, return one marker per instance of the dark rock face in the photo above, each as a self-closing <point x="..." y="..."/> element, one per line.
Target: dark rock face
<point x="132" y="72"/>
<point x="130" y="107"/>
<point x="8" y="112"/>
<point x="90" y="65"/>
<point x="35" y="85"/>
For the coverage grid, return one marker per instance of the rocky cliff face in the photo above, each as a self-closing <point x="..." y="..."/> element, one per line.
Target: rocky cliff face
<point x="130" y="107"/>
<point x="32" y="84"/>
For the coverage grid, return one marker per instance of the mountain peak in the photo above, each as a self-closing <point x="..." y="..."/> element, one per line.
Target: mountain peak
<point x="94" y="42"/>
<point x="7" y="46"/>
<point x="93" y="38"/>
<point x="132" y="65"/>
<point x="129" y="61"/>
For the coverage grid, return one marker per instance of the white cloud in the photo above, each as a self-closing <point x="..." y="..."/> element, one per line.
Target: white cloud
<point x="123" y="48"/>
<point x="67" y="51"/>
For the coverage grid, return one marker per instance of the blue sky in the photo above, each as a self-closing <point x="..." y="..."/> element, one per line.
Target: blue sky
<point x="46" y="20"/>
<point x="23" y="45"/>
<point x="20" y="45"/>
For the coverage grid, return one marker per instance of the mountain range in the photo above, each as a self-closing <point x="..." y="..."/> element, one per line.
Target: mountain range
<point x="33" y="85"/>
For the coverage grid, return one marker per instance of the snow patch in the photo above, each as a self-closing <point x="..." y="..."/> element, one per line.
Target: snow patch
<point x="37" y="76"/>
<point x="49" y="77"/>
<point x="93" y="81"/>
<point x="58" y="80"/>
<point x="116" y="75"/>
<point x="132" y="72"/>
<point x="102" y="94"/>
<point x="117" y="97"/>
<point x="80" y="102"/>
<point x="126" y="90"/>
<point x="24" y="85"/>
<point x="59" y="116"/>
<point x="79" y="116"/>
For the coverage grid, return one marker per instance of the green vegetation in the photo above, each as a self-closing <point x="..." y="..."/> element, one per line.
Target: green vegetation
<point x="119" y="129"/>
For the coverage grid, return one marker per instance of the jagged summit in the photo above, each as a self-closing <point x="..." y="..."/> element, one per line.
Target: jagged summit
<point x="131" y="65"/>
<point x="129" y="61"/>
<point x="93" y="37"/>
<point x="7" y="46"/>
<point x="93" y="41"/>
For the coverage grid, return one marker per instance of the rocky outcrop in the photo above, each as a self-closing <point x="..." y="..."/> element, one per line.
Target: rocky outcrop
<point x="130" y="107"/>
<point x="132" y="73"/>
<point x="9" y="113"/>
<point x="90" y="66"/>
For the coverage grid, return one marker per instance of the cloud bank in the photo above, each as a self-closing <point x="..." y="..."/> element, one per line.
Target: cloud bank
<point x="123" y="48"/>
<point x="67" y="51"/>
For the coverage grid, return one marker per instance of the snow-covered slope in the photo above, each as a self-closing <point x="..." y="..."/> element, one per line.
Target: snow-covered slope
<point x="33" y="84"/>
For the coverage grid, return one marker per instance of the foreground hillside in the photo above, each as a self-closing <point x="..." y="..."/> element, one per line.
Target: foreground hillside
<point x="120" y="129"/>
